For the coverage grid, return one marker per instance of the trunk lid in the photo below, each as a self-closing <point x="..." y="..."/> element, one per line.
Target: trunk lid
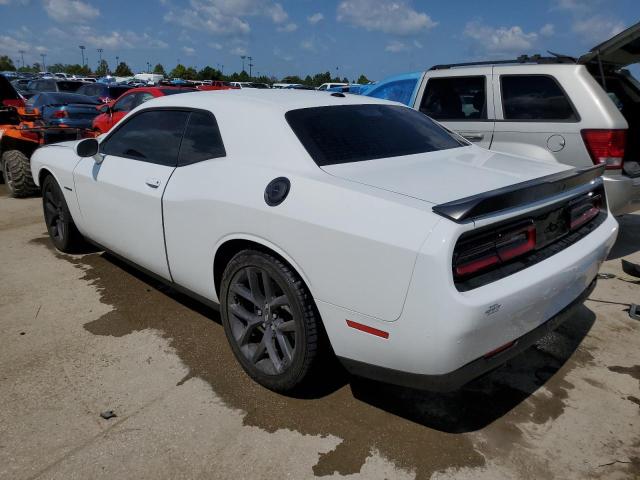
<point x="619" y="51"/>
<point x="446" y="175"/>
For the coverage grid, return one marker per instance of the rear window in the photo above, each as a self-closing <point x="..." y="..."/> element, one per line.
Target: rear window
<point x="355" y="133"/>
<point x="115" y="92"/>
<point x="535" y="97"/>
<point x="67" y="86"/>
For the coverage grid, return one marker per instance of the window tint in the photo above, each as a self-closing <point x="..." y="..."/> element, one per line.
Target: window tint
<point x="67" y="86"/>
<point x="153" y="136"/>
<point x="398" y="91"/>
<point x="455" y="98"/>
<point x="354" y="133"/>
<point x="534" y="97"/>
<point x="125" y="104"/>
<point x="201" y="140"/>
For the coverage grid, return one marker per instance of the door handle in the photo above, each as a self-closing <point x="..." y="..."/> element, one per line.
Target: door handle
<point x="473" y="137"/>
<point x="152" y="182"/>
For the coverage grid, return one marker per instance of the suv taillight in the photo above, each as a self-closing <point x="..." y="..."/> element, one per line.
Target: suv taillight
<point x="60" y="114"/>
<point x="606" y="147"/>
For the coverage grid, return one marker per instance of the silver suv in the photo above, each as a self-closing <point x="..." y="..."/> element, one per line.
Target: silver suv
<point x="573" y="111"/>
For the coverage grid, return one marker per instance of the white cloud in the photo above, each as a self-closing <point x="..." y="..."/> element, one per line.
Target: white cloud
<point x="12" y="46"/>
<point x="110" y="40"/>
<point x="395" y="46"/>
<point x="308" y="45"/>
<point x="189" y="51"/>
<point x="225" y="17"/>
<point x="548" y="30"/>
<point x="389" y="16"/>
<point x="70" y="11"/>
<point x="596" y="29"/>
<point x="315" y="18"/>
<point x="215" y="45"/>
<point x="289" y="27"/>
<point x="282" y="55"/>
<point x="500" y="39"/>
<point x="238" y="50"/>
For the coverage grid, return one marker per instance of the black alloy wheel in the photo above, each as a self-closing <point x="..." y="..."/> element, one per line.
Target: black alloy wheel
<point x="270" y="320"/>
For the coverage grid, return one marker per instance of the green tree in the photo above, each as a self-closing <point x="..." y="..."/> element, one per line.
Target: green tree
<point x="103" y="69"/>
<point x="178" y="72"/>
<point x="190" y="74"/>
<point x="292" y="79"/>
<point x="123" y="70"/>
<point x="6" y="63"/>
<point x="308" y="81"/>
<point x="77" y="69"/>
<point x="209" y="73"/>
<point x="159" y="69"/>
<point x="363" y="80"/>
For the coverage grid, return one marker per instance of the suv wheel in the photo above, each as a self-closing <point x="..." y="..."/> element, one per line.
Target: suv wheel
<point x="17" y="174"/>
<point x="270" y="320"/>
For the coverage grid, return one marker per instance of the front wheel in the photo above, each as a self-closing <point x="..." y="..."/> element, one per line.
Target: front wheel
<point x="62" y="231"/>
<point x="17" y="174"/>
<point x="270" y="320"/>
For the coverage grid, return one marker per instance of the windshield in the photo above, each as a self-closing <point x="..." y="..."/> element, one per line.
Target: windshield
<point x="355" y="133"/>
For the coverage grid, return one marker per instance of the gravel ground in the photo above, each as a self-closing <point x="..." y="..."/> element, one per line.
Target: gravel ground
<point x="83" y="334"/>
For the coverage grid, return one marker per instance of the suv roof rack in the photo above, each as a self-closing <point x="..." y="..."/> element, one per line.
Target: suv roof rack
<point x="539" y="59"/>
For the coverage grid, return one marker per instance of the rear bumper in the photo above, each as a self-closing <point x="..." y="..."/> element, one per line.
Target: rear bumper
<point x="623" y="193"/>
<point x="474" y="369"/>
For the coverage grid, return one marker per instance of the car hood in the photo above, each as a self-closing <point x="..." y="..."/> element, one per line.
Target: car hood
<point x="620" y="50"/>
<point x="447" y="175"/>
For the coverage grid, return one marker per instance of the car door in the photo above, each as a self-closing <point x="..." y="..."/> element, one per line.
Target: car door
<point x="534" y="116"/>
<point x="462" y="103"/>
<point x="120" y="198"/>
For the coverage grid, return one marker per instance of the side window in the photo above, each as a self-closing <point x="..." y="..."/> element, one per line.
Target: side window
<point x="125" y="104"/>
<point x="455" y="98"/>
<point x="535" y="97"/>
<point x="152" y="136"/>
<point x="398" y="91"/>
<point x="143" y="97"/>
<point x="202" y="140"/>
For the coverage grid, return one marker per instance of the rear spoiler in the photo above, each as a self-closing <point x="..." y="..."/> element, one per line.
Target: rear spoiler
<point x="517" y="195"/>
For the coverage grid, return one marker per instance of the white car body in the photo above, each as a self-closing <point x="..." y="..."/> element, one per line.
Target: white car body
<point x="363" y="236"/>
<point x="327" y="86"/>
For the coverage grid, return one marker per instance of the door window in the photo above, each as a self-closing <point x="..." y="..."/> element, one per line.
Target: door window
<point x="535" y="97"/>
<point x="202" y="140"/>
<point x="455" y="98"/>
<point x="124" y="104"/>
<point x="151" y="136"/>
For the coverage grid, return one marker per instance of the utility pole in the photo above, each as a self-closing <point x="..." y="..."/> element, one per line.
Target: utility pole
<point x="250" y="65"/>
<point x="44" y="67"/>
<point x="222" y="69"/>
<point x="82" y="47"/>
<point x="22" y="56"/>
<point x="100" y="50"/>
<point x="243" y="57"/>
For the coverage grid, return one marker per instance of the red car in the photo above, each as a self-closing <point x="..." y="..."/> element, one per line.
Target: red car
<point x="112" y="112"/>
<point x="216" y="85"/>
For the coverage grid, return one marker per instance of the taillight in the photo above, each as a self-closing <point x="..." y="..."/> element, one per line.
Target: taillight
<point x="584" y="211"/>
<point x="13" y="103"/>
<point x="490" y="250"/>
<point x="60" y="114"/>
<point x="606" y="147"/>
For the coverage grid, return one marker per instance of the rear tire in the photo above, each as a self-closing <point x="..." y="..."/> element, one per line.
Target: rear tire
<point x="62" y="231"/>
<point x="270" y="321"/>
<point x="17" y="174"/>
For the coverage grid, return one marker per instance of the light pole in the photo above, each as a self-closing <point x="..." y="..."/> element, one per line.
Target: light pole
<point x="82" y="47"/>
<point x="243" y="57"/>
<point x="100" y="50"/>
<point x="22" y="57"/>
<point x="44" y="67"/>
<point x="250" y="65"/>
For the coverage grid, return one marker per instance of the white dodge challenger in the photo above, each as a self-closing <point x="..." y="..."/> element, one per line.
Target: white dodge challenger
<point x="334" y="224"/>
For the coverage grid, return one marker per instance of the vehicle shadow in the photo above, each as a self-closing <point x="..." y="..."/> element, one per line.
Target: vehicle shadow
<point x="475" y="406"/>
<point x="628" y="241"/>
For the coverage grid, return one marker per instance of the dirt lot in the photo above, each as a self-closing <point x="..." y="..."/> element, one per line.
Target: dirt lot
<point x="84" y="334"/>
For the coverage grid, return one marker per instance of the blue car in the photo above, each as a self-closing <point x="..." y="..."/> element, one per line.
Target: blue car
<point x="65" y="109"/>
<point x="399" y="88"/>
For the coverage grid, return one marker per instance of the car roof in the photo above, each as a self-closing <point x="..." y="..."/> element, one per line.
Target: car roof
<point x="279" y="100"/>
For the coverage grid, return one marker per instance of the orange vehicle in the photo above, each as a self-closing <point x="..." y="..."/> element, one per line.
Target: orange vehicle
<point x="21" y="132"/>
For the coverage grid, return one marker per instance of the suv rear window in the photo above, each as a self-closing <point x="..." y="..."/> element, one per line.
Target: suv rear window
<point x="355" y="133"/>
<point x="455" y="98"/>
<point x="535" y="97"/>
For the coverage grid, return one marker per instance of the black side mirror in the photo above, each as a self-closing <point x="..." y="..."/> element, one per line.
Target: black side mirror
<point x="87" y="147"/>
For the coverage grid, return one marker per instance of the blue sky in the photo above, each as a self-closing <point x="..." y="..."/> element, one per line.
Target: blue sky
<point x="350" y="37"/>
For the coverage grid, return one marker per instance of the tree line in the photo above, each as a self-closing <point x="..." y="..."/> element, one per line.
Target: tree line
<point x="179" y="71"/>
